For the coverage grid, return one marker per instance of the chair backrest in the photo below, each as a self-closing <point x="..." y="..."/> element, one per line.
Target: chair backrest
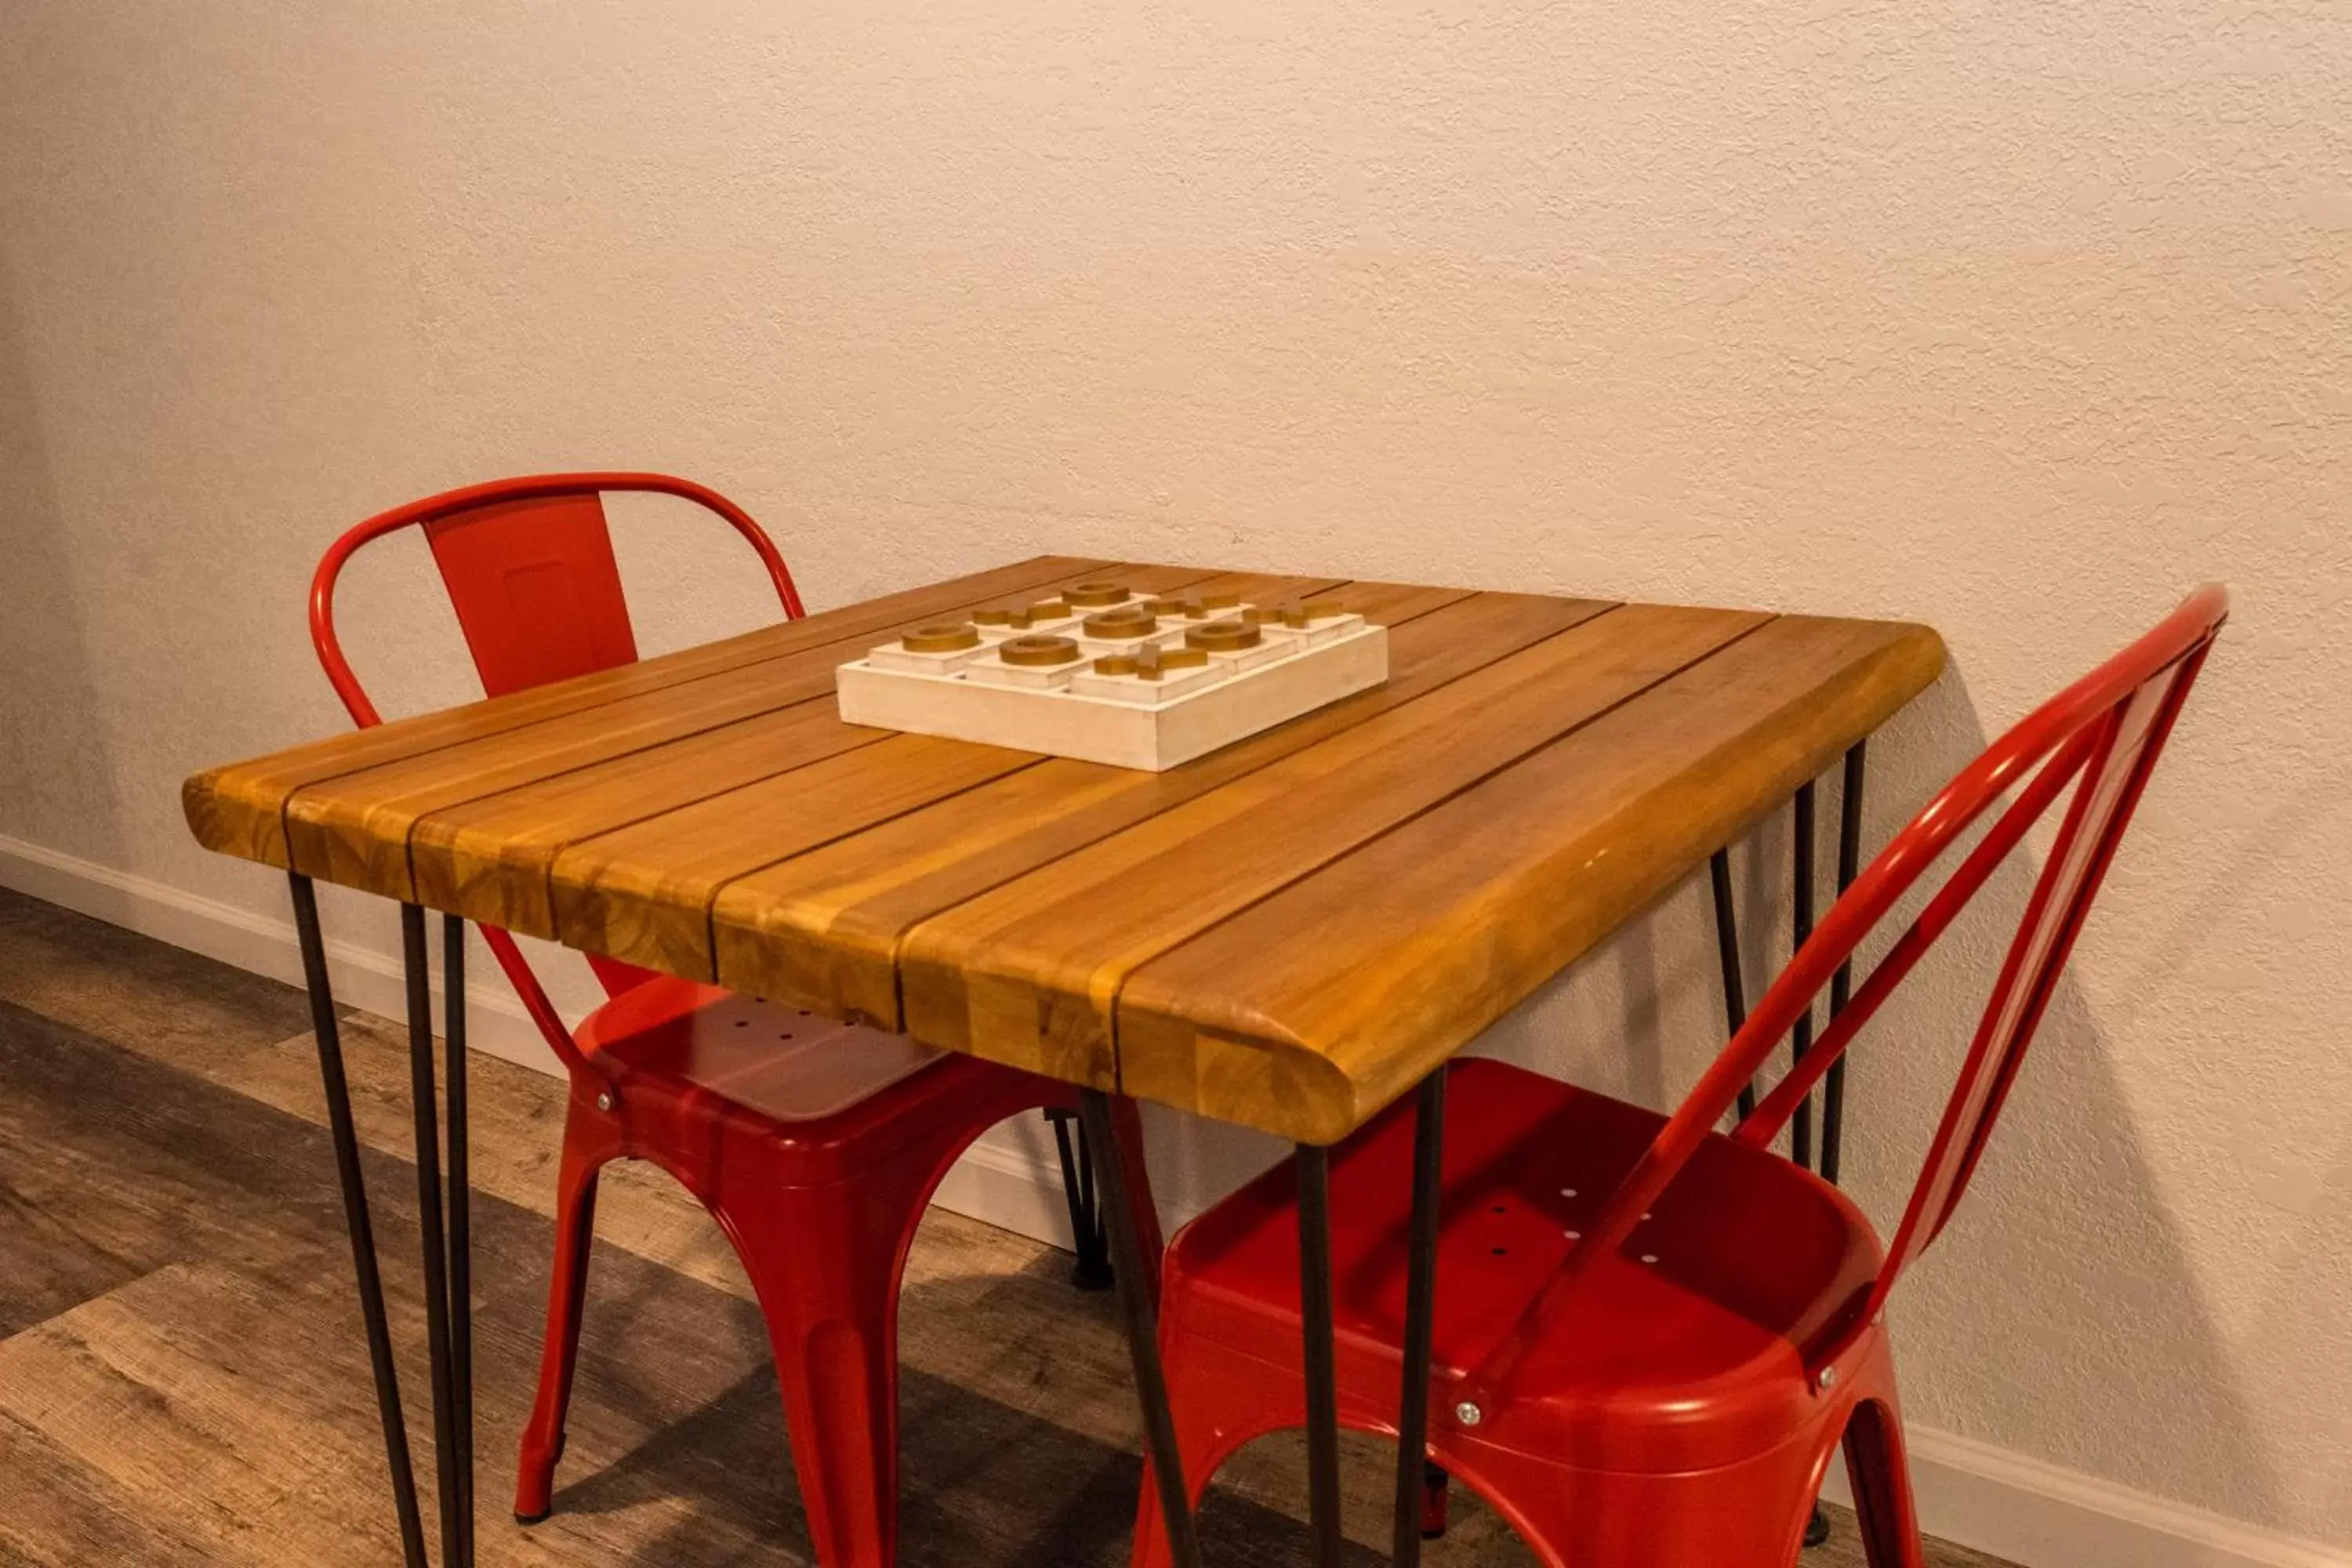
<point x="528" y="566"/>
<point x="2102" y="735"/>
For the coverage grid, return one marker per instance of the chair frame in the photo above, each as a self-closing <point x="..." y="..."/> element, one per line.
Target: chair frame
<point x="2102" y="735"/>
<point x="902" y="1184"/>
<point x="616" y="977"/>
<point x="2107" y="730"/>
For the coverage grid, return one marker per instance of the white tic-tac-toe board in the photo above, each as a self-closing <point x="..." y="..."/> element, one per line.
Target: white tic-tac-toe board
<point x="1109" y="675"/>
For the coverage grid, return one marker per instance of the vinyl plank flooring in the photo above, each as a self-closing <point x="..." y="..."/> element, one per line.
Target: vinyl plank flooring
<point x="182" y="1378"/>
<point x="138" y="992"/>
<point x="63" y="1513"/>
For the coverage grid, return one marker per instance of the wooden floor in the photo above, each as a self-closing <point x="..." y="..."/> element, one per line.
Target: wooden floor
<point x="183" y="1379"/>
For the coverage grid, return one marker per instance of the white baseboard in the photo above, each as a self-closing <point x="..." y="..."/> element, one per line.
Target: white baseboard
<point x="2042" y="1515"/>
<point x="361" y="977"/>
<point x="2027" y="1510"/>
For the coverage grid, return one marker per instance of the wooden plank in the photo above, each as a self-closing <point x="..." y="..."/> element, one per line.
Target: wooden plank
<point x="1305" y="1014"/>
<point x="115" y="1384"/>
<point x="823" y="929"/>
<point x="238" y="809"/>
<point x="64" y="1513"/>
<point x="1028" y="973"/>
<point x="487" y="859"/>
<point x="676" y="1456"/>
<point x="643" y="891"/>
<point x="354" y="829"/>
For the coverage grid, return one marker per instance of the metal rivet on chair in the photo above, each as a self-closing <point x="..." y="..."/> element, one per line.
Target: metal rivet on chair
<point x="604" y="1100"/>
<point x="1829" y="1378"/>
<point x="1468" y="1414"/>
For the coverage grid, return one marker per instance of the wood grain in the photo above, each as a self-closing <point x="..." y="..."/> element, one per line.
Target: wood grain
<point x="356" y="828"/>
<point x="1028" y="974"/>
<point x="488" y="857"/>
<point x="823" y="930"/>
<point x="1268" y="935"/>
<point x="644" y="891"/>
<point x="238" y="809"/>
<point x="1269" y="1020"/>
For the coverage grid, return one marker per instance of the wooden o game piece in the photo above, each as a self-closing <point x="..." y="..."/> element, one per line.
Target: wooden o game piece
<point x="1118" y="625"/>
<point x="1037" y="652"/>
<point x="944" y="636"/>
<point x="1224" y="637"/>
<point x="1092" y="595"/>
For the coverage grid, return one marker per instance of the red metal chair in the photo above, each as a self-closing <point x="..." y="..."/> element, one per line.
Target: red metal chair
<point x="1651" y="1336"/>
<point x="815" y="1145"/>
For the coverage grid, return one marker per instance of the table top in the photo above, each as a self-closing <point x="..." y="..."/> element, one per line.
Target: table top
<point x="1286" y="933"/>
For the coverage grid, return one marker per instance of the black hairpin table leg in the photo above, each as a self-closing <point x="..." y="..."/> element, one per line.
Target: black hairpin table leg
<point x="1857" y="762"/>
<point x="326" y="1027"/>
<point x="1092" y="1270"/>
<point x="1420" y="1322"/>
<point x="1314" y="1167"/>
<point x="1800" y="884"/>
<point x="1726" y="948"/>
<point x="432" y="1216"/>
<point x="1135" y="1302"/>
<point x="461" y="1226"/>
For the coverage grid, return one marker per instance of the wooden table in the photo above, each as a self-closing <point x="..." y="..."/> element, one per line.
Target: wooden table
<point x="1289" y="935"/>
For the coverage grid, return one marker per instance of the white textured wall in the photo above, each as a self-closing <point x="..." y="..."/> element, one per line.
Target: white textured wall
<point x="2013" y="318"/>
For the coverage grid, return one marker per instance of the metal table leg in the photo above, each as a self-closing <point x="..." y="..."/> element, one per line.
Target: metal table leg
<point x="436" y="1247"/>
<point x="325" y="1026"/>
<point x="1727" y="948"/>
<point x="1092" y="1270"/>
<point x="461" y="1226"/>
<point x="1419" y="1321"/>
<point x="1135" y="1302"/>
<point x="1817" y="1528"/>
<point x="1314" y="1166"/>
<point x="1857" y="764"/>
<point x="1801" y="881"/>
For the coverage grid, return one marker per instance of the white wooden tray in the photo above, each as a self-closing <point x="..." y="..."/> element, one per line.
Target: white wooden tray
<point x="1099" y="699"/>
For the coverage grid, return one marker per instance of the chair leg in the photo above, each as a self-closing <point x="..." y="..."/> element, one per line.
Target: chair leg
<point x="1221" y="1400"/>
<point x="1749" y="1514"/>
<point x="825" y="1263"/>
<point x="1881" y="1473"/>
<point x="1436" y="1502"/>
<point x="567" y="1293"/>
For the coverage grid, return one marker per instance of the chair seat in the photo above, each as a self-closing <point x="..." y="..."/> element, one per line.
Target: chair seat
<point x="1685" y="1350"/>
<point x="841" y="1094"/>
